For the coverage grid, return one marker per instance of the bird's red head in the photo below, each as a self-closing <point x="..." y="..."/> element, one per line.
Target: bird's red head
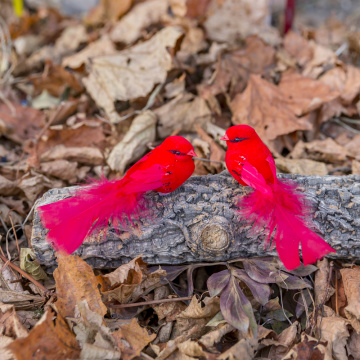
<point x="179" y="146"/>
<point x="238" y="134"/>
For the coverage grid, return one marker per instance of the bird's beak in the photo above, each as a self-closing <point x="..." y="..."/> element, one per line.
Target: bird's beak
<point x="225" y="138"/>
<point x="192" y="153"/>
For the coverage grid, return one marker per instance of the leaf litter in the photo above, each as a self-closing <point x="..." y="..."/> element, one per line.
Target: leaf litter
<point x="84" y="97"/>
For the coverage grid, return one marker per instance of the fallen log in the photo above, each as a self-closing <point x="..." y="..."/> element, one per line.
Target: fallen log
<point x="198" y="222"/>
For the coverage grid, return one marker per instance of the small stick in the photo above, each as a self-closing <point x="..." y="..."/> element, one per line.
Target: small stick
<point x="336" y="294"/>
<point x="152" y="302"/>
<point x="14" y="231"/>
<point x="26" y="275"/>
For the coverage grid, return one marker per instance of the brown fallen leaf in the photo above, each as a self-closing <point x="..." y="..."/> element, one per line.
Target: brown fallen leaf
<point x="103" y="46"/>
<point x="354" y="345"/>
<point x="49" y="340"/>
<point x="191" y="348"/>
<point x="309" y="349"/>
<point x="352" y="146"/>
<point x="305" y="94"/>
<point x="232" y="20"/>
<point x="141" y="16"/>
<point x="75" y="281"/>
<point x="107" y="10"/>
<point x="56" y="80"/>
<point x="83" y="155"/>
<point x="243" y="350"/>
<point x="134" y="144"/>
<point x="182" y="113"/>
<point x="130" y="281"/>
<point x="33" y="186"/>
<point x="350" y="279"/>
<point x="11" y="329"/>
<point x="301" y="166"/>
<point x="21" y="123"/>
<point x="131" y="73"/>
<point x="8" y="187"/>
<point x="298" y="47"/>
<point x="196" y="315"/>
<point x="323" y="290"/>
<point x="61" y="169"/>
<point x="214" y="337"/>
<point x="233" y="68"/>
<point x="334" y="330"/>
<point x="266" y="108"/>
<point x="169" y="310"/>
<point x="137" y="339"/>
<point x="320" y="150"/>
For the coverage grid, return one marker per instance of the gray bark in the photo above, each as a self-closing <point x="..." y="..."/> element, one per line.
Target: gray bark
<point x="198" y="222"/>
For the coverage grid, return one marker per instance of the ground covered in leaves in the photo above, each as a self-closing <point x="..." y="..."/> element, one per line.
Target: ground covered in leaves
<point x="81" y="97"/>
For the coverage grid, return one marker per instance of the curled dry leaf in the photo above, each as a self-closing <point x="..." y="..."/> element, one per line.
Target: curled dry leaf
<point x="320" y="150"/>
<point x="62" y="169"/>
<point x="323" y="290"/>
<point x="243" y="350"/>
<point x="131" y="73"/>
<point x="134" y="144"/>
<point x="33" y="186"/>
<point x="191" y="348"/>
<point x="351" y="279"/>
<point x="297" y="47"/>
<point x="75" y="281"/>
<point x="182" y="113"/>
<point x="354" y="345"/>
<point x="31" y="265"/>
<point x="11" y="329"/>
<point x="309" y="349"/>
<point x="93" y="335"/>
<point x="334" y="330"/>
<point x="266" y="108"/>
<point x="301" y="166"/>
<point x="130" y="281"/>
<point x="130" y="27"/>
<point x="48" y="340"/>
<point x="136" y="337"/>
<point x="8" y="187"/>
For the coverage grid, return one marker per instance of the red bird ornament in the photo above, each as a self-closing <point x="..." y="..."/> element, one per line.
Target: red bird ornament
<point x="274" y="204"/>
<point x="71" y="220"/>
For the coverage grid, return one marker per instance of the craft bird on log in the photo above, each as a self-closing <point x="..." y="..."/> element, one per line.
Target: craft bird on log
<point x="274" y="205"/>
<point x="122" y="201"/>
<point x="199" y="222"/>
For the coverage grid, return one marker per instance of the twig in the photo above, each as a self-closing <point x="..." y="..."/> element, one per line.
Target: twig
<point x="14" y="231"/>
<point x="152" y="302"/>
<point x="26" y="275"/>
<point x="336" y="294"/>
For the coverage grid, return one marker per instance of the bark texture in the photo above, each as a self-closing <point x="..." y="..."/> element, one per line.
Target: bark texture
<point x="198" y="222"/>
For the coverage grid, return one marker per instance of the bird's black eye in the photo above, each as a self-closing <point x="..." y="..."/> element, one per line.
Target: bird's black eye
<point x="175" y="152"/>
<point x="236" y="140"/>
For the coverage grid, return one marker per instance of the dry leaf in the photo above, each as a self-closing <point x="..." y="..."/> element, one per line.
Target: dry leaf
<point x="305" y="94"/>
<point x="134" y="144"/>
<point x="215" y="336"/>
<point x="83" y="155"/>
<point x="94" y="337"/>
<point x="266" y="108"/>
<point x="130" y="281"/>
<point x="243" y="350"/>
<point x="137" y="339"/>
<point x="33" y="186"/>
<point x="232" y="20"/>
<point x="323" y="290"/>
<point x="351" y="278"/>
<point x="182" y="113"/>
<point x="131" y="73"/>
<point x="21" y="123"/>
<point x="75" y="281"/>
<point x="61" y="169"/>
<point x="48" y="340"/>
<point x="334" y="330"/>
<point x="191" y="348"/>
<point x="320" y="150"/>
<point x="21" y="300"/>
<point x="169" y="310"/>
<point x="107" y="10"/>
<point x="56" y="80"/>
<point x="297" y="47"/>
<point x="309" y="349"/>
<point x="233" y="69"/>
<point x="301" y="166"/>
<point x="31" y="265"/>
<point x="355" y="167"/>
<point x="130" y="27"/>
<point x="353" y="345"/>
<point x="7" y="187"/>
<point x="103" y="46"/>
<point x="11" y="329"/>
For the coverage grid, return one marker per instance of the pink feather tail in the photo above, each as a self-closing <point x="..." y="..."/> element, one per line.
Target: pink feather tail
<point x="285" y="215"/>
<point x="71" y="220"/>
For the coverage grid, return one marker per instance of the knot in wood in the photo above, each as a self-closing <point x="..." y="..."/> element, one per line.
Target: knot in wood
<point x="214" y="237"/>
